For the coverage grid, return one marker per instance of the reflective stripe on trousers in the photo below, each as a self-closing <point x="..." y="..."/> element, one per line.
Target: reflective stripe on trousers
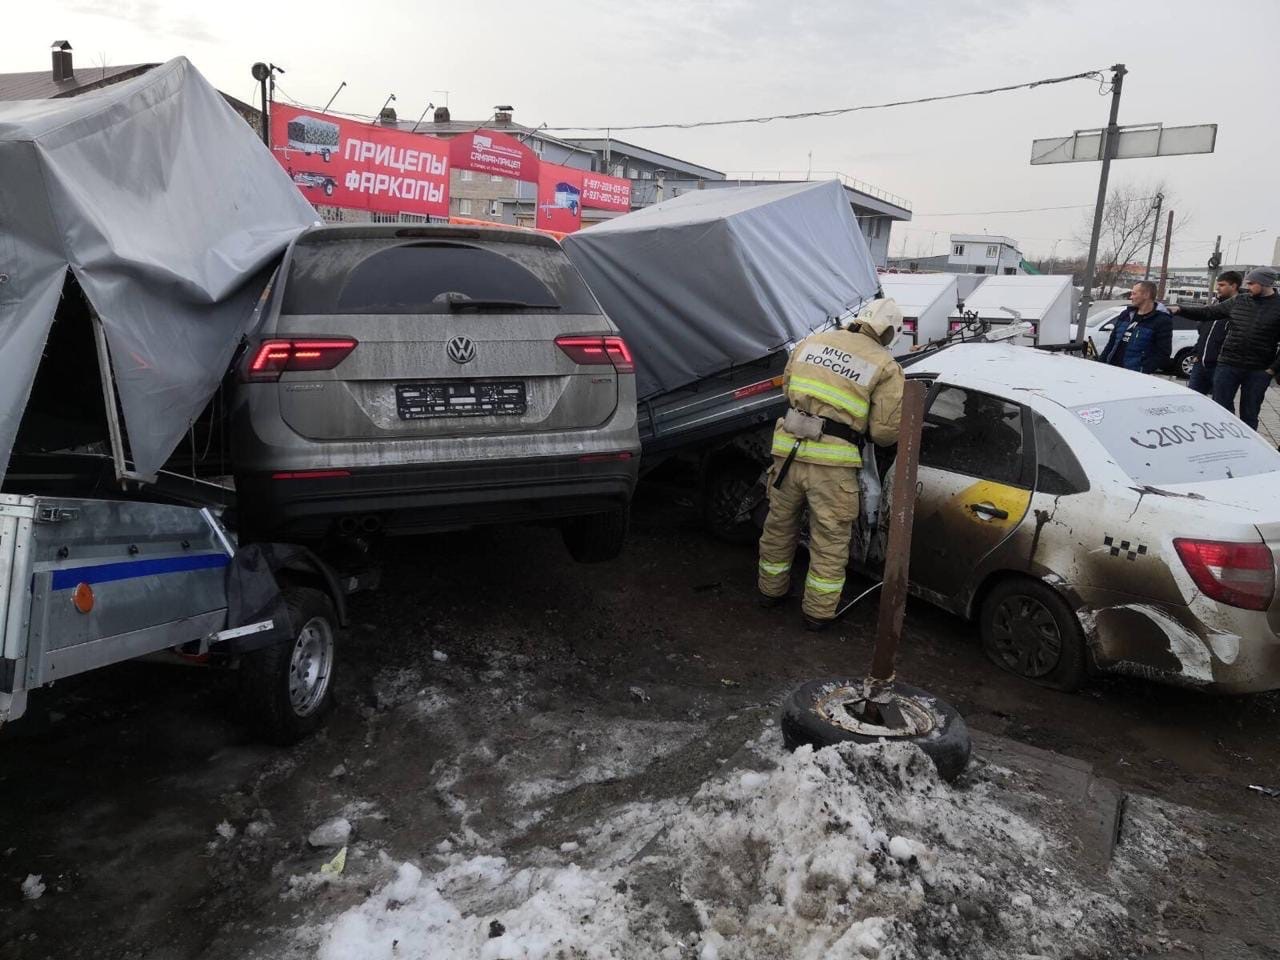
<point x="831" y="495"/>
<point x="823" y="585"/>
<point x="815" y="451"/>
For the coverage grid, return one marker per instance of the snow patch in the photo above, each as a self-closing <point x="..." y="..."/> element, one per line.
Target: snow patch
<point x="847" y="852"/>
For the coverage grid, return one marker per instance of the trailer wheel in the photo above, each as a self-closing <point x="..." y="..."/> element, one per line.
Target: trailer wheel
<point x="727" y="484"/>
<point x="288" y="687"/>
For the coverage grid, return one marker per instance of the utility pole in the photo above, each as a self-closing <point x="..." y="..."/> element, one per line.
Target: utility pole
<point x="1110" y="140"/>
<point x="1164" y="263"/>
<point x="1215" y="261"/>
<point x="1155" y="229"/>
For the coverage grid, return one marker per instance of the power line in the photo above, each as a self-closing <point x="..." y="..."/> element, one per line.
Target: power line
<point x="840" y="111"/>
<point x="983" y="213"/>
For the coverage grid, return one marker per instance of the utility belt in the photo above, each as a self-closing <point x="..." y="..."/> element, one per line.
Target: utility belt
<point x="805" y="426"/>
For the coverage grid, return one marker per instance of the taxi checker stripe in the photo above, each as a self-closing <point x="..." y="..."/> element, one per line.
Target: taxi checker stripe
<point x="773" y="569"/>
<point x="837" y="397"/>
<point x="826" y="452"/>
<point x="822" y="585"/>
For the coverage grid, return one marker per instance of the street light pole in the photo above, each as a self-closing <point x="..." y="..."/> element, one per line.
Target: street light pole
<point x="334" y="97"/>
<point x="1247" y="234"/>
<point x="1111" y="139"/>
<point x="260" y="73"/>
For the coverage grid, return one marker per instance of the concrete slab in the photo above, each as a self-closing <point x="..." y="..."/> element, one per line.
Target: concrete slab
<point x="1091" y="807"/>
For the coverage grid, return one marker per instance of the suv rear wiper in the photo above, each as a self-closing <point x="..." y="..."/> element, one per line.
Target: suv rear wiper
<point x="457" y="302"/>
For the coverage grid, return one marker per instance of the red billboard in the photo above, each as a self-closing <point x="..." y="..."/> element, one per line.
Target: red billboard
<point x="488" y="151"/>
<point x="344" y="163"/>
<point x="559" y="198"/>
<point x="603" y="192"/>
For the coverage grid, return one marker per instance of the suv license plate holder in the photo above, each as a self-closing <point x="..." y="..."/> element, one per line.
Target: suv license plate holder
<point x="460" y="398"/>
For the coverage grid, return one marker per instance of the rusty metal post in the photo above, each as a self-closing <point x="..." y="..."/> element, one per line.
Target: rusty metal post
<point x="1164" y="263"/>
<point x="897" y="561"/>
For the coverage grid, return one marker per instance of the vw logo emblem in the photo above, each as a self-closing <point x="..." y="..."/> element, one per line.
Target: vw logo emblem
<point x="461" y="350"/>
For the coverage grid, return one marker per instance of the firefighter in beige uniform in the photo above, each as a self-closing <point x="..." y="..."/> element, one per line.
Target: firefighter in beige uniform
<point x="842" y="385"/>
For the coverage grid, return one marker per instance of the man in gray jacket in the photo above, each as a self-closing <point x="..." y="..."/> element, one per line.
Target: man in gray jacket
<point x="1248" y="360"/>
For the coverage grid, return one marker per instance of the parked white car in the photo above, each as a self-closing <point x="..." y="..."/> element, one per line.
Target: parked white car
<point x="1186" y="332"/>
<point x="1094" y="518"/>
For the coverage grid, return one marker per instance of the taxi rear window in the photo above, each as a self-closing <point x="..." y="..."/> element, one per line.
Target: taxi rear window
<point x="1178" y="439"/>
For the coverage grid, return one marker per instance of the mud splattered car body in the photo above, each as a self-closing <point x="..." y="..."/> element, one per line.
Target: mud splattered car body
<point x="1153" y="514"/>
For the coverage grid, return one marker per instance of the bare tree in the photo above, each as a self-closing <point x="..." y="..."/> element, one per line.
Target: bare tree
<point x="1128" y="220"/>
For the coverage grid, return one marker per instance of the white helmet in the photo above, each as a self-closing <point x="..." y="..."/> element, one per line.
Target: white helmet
<point x="882" y="319"/>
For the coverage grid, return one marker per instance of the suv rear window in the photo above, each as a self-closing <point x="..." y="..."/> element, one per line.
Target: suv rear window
<point x="1177" y="439"/>
<point x="363" y="275"/>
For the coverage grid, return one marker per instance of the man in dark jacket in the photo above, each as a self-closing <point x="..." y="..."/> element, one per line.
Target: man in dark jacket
<point x="1212" y="333"/>
<point x="1248" y="359"/>
<point x="1142" y="337"/>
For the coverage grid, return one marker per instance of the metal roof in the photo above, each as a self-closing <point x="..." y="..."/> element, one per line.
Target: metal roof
<point x="1033" y="297"/>
<point x="451" y="128"/>
<point x="598" y="145"/>
<point x="983" y="238"/>
<point x="40" y="85"/>
<point x="917" y="292"/>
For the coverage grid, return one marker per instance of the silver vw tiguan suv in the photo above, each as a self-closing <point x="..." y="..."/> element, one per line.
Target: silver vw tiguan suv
<point x="414" y="379"/>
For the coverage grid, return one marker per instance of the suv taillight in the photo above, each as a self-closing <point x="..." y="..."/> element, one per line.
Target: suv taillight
<point x="1237" y="574"/>
<point x="274" y="357"/>
<point x="597" y="350"/>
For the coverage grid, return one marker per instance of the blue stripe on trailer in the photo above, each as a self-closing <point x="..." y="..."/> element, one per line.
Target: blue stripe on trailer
<point x="131" y="569"/>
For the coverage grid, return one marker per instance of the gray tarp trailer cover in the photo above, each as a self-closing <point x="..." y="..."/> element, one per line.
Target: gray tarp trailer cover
<point x="724" y="276"/>
<point x="167" y="208"/>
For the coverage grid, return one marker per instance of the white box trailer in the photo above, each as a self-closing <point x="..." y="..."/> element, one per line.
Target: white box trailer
<point x="927" y="301"/>
<point x="966" y="283"/>
<point x="1047" y="303"/>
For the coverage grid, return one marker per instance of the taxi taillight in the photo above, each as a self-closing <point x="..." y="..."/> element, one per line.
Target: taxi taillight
<point x="1237" y="574"/>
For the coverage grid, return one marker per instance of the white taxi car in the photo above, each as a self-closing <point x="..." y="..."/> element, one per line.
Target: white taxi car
<point x="1093" y="518"/>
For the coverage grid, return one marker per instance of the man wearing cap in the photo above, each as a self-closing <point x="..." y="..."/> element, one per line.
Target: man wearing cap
<point x="841" y="384"/>
<point x="1248" y="360"/>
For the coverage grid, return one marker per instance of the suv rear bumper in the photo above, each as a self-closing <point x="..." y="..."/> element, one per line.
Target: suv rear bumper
<point x="426" y="498"/>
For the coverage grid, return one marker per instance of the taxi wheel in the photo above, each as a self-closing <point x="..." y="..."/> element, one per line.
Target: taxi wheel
<point x="1028" y="629"/>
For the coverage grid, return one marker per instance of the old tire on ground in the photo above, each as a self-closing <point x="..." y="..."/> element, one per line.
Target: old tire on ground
<point x="1028" y="629"/>
<point x="807" y="718"/>
<point x="287" y="688"/>
<point x="596" y="537"/>
<point x="1183" y="362"/>
<point x="726" y="484"/>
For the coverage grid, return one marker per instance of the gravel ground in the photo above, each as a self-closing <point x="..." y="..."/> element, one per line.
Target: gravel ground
<point x="497" y="700"/>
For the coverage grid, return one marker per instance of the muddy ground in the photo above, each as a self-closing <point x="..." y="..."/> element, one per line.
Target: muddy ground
<point x="114" y="785"/>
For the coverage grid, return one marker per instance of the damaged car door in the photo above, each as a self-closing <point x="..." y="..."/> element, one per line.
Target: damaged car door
<point x="974" y="488"/>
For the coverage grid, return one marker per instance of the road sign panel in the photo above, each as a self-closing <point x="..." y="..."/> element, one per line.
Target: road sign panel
<point x="1146" y="140"/>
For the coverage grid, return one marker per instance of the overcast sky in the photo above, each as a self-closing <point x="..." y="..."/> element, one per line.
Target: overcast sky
<point x="602" y="62"/>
